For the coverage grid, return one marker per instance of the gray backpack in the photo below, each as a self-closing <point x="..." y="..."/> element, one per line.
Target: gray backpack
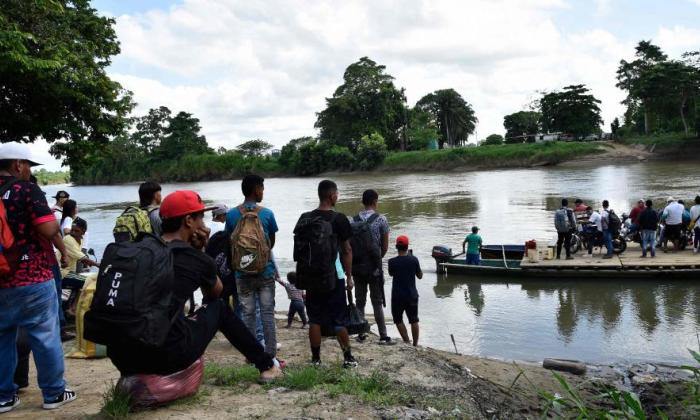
<point x="562" y="221"/>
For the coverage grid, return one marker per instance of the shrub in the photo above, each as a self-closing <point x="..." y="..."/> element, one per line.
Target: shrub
<point x="371" y="151"/>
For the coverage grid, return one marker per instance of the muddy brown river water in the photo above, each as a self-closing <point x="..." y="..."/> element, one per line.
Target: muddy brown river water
<point x="591" y="320"/>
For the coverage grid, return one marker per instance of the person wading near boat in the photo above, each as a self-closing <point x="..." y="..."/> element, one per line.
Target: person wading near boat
<point x="28" y="298"/>
<point x="472" y="243"/>
<point x="694" y="226"/>
<point x="186" y="234"/>
<point x="318" y="237"/>
<point x="673" y="216"/>
<point x="565" y="223"/>
<point x="252" y="258"/>
<point x="370" y="243"/>
<point x="648" y="222"/>
<point x="404" y="296"/>
<point x="609" y="225"/>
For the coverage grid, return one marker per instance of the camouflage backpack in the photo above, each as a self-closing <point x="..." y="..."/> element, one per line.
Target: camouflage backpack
<point x="131" y="223"/>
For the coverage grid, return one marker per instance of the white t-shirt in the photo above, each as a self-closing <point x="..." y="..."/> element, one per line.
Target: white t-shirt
<point x="66" y="224"/>
<point x="596" y="220"/>
<point x="695" y="214"/>
<point x="674" y="213"/>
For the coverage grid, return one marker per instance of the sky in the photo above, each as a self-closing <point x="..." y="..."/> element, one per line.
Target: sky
<point x="262" y="69"/>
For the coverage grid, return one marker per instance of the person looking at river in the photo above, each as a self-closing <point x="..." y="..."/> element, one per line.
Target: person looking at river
<point x="648" y="223"/>
<point x="608" y="230"/>
<point x="259" y="286"/>
<point x="149" y="200"/>
<point x="60" y="197"/>
<point x="70" y="211"/>
<point x="367" y="260"/>
<point x="673" y="215"/>
<point x="565" y="223"/>
<point x="634" y="215"/>
<point x="404" y="296"/>
<point x="594" y="227"/>
<point x="473" y="250"/>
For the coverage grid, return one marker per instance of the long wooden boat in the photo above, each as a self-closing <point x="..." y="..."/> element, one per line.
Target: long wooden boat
<point x="511" y="261"/>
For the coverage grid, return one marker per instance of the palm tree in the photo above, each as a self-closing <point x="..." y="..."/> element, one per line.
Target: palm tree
<point x="451" y="113"/>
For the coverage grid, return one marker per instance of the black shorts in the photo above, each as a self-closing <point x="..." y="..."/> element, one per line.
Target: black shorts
<point x="408" y="306"/>
<point x="672" y="232"/>
<point x="327" y="308"/>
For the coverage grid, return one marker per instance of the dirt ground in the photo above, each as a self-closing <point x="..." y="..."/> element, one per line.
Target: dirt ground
<point x="439" y="384"/>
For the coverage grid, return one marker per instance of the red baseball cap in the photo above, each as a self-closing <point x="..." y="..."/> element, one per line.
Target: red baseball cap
<point x="402" y="240"/>
<point x="182" y="203"/>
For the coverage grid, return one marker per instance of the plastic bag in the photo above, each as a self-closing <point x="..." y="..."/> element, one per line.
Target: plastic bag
<point x="85" y="349"/>
<point x="146" y="391"/>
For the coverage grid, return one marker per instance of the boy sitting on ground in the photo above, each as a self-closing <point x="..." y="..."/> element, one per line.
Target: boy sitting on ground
<point x="404" y="297"/>
<point x="296" y="300"/>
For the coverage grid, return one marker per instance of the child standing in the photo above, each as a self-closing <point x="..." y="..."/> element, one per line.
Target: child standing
<point x="296" y="300"/>
<point x="474" y="247"/>
<point x="404" y="296"/>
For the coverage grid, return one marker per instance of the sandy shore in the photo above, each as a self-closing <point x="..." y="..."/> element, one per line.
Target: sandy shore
<point x="437" y="384"/>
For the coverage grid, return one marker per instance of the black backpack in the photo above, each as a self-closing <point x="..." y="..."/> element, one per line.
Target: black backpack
<point x="366" y="252"/>
<point x="133" y="293"/>
<point x="315" y="252"/>
<point x="614" y="222"/>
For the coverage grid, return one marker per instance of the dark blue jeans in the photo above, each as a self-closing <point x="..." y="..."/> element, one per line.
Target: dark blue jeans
<point x="607" y="240"/>
<point x="297" y="307"/>
<point x="56" y="270"/>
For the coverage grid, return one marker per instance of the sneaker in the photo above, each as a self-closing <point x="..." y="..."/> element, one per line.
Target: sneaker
<point x="350" y="363"/>
<point x="386" y="341"/>
<point x="305" y="326"/>
<point x="361" y="338"/>
<point x="64" y="398"/>
<point x="9" y="405"/>
<point x="270" y="375"/>
<point x="279" y="346"/>
<point x="316" y="362"/>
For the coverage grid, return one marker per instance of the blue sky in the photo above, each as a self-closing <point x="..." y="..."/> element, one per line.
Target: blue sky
<point x="263" y="68"/>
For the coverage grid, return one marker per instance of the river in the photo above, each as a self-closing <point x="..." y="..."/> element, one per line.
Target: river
<point x="591" y="320"/>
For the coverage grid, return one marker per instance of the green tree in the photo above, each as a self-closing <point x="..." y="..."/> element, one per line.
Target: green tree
<point x="572" y="110"/>
<point x="255" y="147"/>
<point x="632" y="78"/>
<point x="493" y="139"/>
<point x="453" y="116"/>
<point x="53" y="83"/>
<point x="182" y="137"/>
<point x="615" y="127"/>
<point x="522" y="126"/>
<point x="673" y="83"/>
<point x="152" y="128"/>
<point x="289" y="154"/>
<point x="371" y="151"/>
<point x="365" y="103"/>
<point x="421" y="130"/>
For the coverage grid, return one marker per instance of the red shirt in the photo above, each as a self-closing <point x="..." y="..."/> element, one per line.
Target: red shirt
<point x="635" y="213"/>
<point x="580" y="208"/>
<point x="31" y="257"/>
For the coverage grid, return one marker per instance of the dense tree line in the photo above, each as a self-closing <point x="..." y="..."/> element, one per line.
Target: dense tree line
<point x="54" y="86"/>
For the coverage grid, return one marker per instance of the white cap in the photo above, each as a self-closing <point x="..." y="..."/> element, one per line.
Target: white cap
<point x="219" y="209"/>
<point x="19" y="151"/>
<point x="670" y="199"/>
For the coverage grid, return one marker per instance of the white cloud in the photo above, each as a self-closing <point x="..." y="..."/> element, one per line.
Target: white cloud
<point x="678" y="39"/>
<point x="263" y="68"/>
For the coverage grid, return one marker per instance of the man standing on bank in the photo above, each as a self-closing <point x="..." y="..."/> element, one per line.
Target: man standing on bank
<point x="565" y="223"/>
<point x="370" y="243"/>
<point x="318" y="237"/>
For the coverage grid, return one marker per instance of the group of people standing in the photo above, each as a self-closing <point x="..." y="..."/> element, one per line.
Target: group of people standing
<point x="236" y="301"/>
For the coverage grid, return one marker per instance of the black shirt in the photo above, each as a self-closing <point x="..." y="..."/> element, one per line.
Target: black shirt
<point x="193" y="270"/>
<point x="341" y="225"/>
<point x="403" y="269"/>
<point x="648" y="219"/>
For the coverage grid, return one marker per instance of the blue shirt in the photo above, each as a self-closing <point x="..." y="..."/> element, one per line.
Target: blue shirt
<point x="267" y="218"/>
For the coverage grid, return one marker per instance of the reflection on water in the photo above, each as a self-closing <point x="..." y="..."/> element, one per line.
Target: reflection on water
<point x="598" y="321"/>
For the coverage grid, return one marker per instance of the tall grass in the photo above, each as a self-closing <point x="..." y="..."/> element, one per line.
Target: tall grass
<point x="664" y="142"/>
<point x="494" y="156"/>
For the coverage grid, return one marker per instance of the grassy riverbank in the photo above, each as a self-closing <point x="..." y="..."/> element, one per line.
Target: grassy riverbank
<point x="45" y="177"/>
<point x="665" y="144"/>
<point x="488" y="157"/>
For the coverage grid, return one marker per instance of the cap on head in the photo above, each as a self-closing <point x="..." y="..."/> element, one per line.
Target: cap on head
<point x="17" y="151"/>
<point x="402" y="240"/>
<point x="219" y="209"/>
<point x="182" y="203"/>
<point x="670" y="200"/>
<point x="61" y="194"/>
<point x="475" y="229"/>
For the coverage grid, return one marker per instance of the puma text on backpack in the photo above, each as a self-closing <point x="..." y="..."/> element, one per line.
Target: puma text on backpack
<point x="131" y="223"/>
<point x="7" y="238"/>
<point x="315" y="252"/>
<point x="250" y="249"/>
<point x="366" y="252"/>
<point x="133" y="293"/>
<point x="561" y="220"/>
<point x="614" y="223"/>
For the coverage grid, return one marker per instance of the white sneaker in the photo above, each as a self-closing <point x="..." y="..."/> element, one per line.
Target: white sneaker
<point x="9" y="405"/>
<point x="64" y="398"/>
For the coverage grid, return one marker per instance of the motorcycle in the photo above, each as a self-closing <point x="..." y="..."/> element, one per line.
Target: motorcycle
<point x="685" y="240"/>
<point x="627" y="232"/>
<point x="590" y="234"/>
